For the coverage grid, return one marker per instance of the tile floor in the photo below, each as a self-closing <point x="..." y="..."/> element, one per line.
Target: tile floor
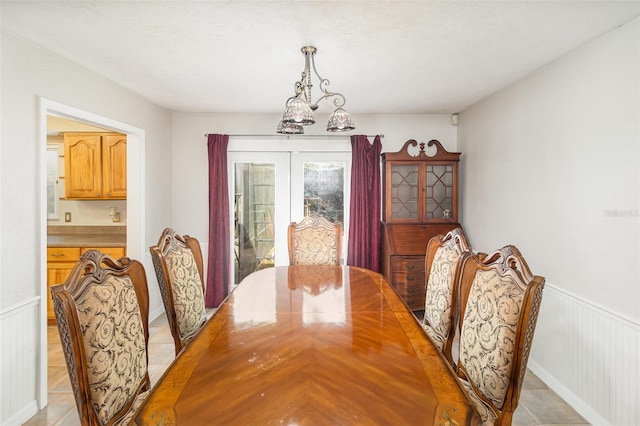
<point x="539" y="405"/>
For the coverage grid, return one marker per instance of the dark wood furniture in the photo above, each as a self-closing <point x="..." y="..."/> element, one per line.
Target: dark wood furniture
<point x="420" y="201"/>
<point x="309" y="345"/>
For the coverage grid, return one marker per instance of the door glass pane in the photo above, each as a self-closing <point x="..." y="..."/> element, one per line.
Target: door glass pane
<point x="254" y="216"/>
<point x="324" y="190"/>
<point x="404" y="191"/>
<point x="439" y="191"/>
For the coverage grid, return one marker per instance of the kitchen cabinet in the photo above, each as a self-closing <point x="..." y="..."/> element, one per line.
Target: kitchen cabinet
<point x="95" y="166"/>
<point x="420" y="201"/>
<point x="60" y="263"/>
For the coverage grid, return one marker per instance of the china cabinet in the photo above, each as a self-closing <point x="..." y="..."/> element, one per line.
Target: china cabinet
<point x="420" y="201"/>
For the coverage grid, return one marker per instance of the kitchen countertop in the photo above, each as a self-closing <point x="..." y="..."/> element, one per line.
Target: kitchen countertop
<point x="86" y="240"/>
<point x="86" y="236"/>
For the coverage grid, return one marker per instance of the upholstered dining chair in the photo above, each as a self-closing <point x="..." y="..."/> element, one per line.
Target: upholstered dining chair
<point x="444" y="257"/>
<point x="177" y="261"/>
<point x="102" y="312"/>
<point x="499" y="300"/>
<point x="315" y="241"/>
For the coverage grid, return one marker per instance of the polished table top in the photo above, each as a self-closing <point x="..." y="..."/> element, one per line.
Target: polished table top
<point x="309" y="345"/>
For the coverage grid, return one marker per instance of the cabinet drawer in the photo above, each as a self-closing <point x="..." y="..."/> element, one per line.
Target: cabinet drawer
<point x="115" y="252"/>
<point x="63" y="254"/>
<point x="408" y="264"/>
<point x="413" y="295"/>
<point x="410" y="279"/>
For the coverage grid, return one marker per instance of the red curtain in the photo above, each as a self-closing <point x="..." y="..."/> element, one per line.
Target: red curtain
<point x="219" y="252"/>
<point x="364" y="221"/>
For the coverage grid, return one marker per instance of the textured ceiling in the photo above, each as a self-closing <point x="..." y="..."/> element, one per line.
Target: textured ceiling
<point x="244" y="56"/>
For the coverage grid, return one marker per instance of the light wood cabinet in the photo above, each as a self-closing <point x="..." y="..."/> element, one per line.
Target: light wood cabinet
<point x="60" y="263"/>
<point x="420" y="201"/>
<point x="114" y="166"/>
<point x="95" y="165"/>
<point x="115" y="252"/>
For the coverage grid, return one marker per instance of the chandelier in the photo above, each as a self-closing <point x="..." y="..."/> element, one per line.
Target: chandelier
<point x="299" y="108"/>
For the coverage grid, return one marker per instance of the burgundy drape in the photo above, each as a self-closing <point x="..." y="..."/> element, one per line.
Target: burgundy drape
<point x="364" y="220"/>
<point x="219" y="252"/>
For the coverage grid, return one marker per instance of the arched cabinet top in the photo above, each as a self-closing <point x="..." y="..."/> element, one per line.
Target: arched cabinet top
<point x="441" y="154"/>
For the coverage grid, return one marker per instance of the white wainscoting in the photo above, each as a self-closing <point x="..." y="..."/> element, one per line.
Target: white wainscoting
<point x="588" y="356"/>
<point x="18" y="360"/>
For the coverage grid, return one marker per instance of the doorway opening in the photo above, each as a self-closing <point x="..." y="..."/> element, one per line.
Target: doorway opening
<point x="135" y="203"/>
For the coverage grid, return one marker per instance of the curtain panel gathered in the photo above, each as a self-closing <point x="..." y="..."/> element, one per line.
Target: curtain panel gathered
<point x="364" y="221"/>
<point x="219" y="252"/>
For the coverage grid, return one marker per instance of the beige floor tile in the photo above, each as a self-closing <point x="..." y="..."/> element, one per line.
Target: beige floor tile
<point x="548" y="408"/>
<point x="60" y="405"/>
<point x="522" y="417"/>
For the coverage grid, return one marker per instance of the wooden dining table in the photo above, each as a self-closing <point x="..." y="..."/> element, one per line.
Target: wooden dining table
<point x="309" y="345"/>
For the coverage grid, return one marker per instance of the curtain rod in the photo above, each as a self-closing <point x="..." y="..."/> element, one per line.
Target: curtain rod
<point x="288" y="136"/>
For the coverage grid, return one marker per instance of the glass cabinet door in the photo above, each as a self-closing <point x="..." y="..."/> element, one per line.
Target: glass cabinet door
<point x="404" y="191"/>
<point x="439" y="192"/>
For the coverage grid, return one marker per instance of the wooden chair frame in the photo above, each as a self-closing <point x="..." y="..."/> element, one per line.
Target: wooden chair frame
<point x="314" y="221"/>
<point x="94" y="268"/>
<point x="454" y="240"/>
<point x="507" y="262"/>
<point x="169" y="241"/>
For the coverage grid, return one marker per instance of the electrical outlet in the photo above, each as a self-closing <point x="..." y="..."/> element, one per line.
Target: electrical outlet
<point x="67" y="216"/>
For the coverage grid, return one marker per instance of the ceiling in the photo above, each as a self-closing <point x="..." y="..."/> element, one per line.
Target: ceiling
<point x="244" y="56"/>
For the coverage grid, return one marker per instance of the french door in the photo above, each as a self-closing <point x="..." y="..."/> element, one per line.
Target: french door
<point x="269" y="190"/>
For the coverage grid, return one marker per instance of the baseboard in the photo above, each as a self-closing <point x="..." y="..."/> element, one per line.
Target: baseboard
<point x="23" y="415"/>
<point x="569" y="397"/>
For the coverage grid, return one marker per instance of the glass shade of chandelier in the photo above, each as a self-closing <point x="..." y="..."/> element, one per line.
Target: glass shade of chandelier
<point x="300" y="107"/>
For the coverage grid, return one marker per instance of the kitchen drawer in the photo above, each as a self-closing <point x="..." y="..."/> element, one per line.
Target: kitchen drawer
<point x="115" y="252"/>
<point x="63" y="254"/>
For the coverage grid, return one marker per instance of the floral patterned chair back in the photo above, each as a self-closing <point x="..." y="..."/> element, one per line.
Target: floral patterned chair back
<point x="102" y="313"/>
<point x="315" y="241"/>
<point x="443" y="264"/>
<point x="177" y="261"/>
<point x="499" y="300"/>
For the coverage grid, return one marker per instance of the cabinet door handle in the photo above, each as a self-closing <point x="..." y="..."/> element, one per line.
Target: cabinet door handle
<point x="410" y="278"/>
<point x="98" y="194"/>
<point x="410" y="267"/>
<point x="57" y="254"/>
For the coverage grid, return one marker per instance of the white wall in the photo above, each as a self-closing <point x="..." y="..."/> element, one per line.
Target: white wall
<point x="189" y="152"/>
<point x="29" y="73"/>
<point x="551" y="164"/>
